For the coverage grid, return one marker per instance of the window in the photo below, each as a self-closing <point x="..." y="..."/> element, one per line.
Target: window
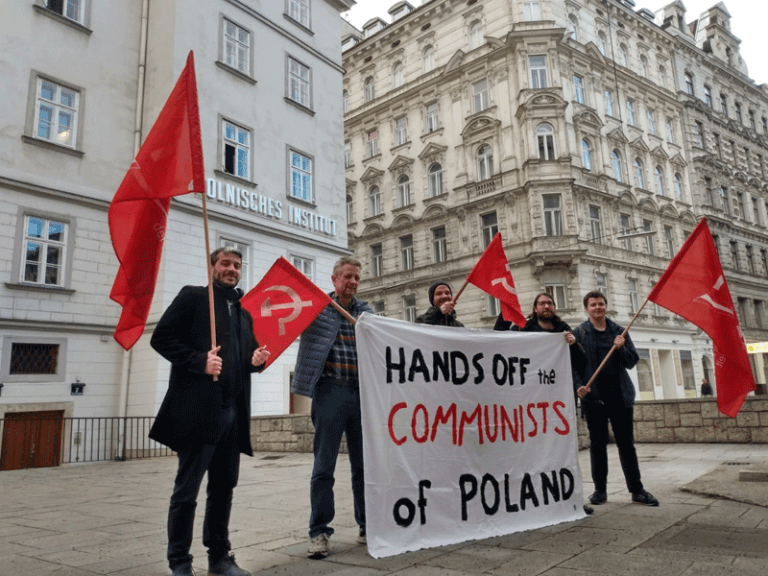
<point x="237" y="150"/>
<point x="659" y="177"/>
<point x="651" y="118"/>
<point x="689" y="83"/>
<point x="716" y="242"/>
<point x="678" y="186"/>
<point x="623" y="55"/>
<point x="44" y="251"/>
<point x="409" y="308"/>
<point x="439" y="247"/>
<point x="489" y="226"/>
<point x="586" y="155"/>
<point x="752" y="121"/>
<point x="631" y="120"/>
<point x="305" y="265"/>
<point x="759" y="313"/>
<point x="298" y="10"/>
<point x="378" y="308"/>
<point x="764" y="122"/>
<point x="350" y="209"/>
<point x="741" y="205"/>
<point x="644" y="66"/>
<point x="475" y="35"/>
<point x="299" y="81"/>
<point x="670" y="130"/>
<point x="756" y="212"/>
<point x="545" y="136"/>
<point x="41" y="360"/>
<point x="435" y="180"/>
<point x="552" y="215"/>
<point x="601" y="43"/>
<point x="301" y="176"/>
<point x="699" y="134"/>
<point x="56" y="111"/>
<point x="724" y="200"/>
<point x="374" y="199"/>
<point x="739" y="115"/>
<point x="428" y="58"/>
<point x="397" y="75"/>
<point x="601" y="282"/>
<point x="633" y="300"/>
<point x="639" y="173"/>
<point x="345" y="101"/>
<point x="669" y="241"/>
<point x="492" y="306"/>
<point x="531" y="10"/>
<point x="609" y="102"/>
<point x="595" y="226"/>
<point x="649" y="247"/>
<point x="538" y="67"/>
<point x="237" y="47"/>
<point x="373" y="143"/>
<point x="686" y="364"/>
<point x="741" y="310"/>
<point x="764" y="260"/>
<point x="724" y="104"/>
<point x="484" y="163"/>
<point x="70" y="9"/>
<point x="573" y="27"/>
<point x="377" y="260"/>
<point x="735" y="256"/>
<point x="403" y="191"/>
<point x="401" y="131"/>
<point x="347" y="154"/>
<point x="708" y="95"/>
<point x="750" y="258"/>
<point x="557" y="293"/>
<point x="369" y="89"/>
<point x="616" y="161"/>
<point x="626" y="228"/>
<point x="433" y="120"/>
<point x="578" y="87"/>
<point x="480" y="95"/>
<point x="718" y="145"/>
<point x="644" y="373"/>
<point x="406" y="252"/>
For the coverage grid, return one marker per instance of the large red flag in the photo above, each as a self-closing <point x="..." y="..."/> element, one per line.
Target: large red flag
<point x="283" y="304"/>
<point x="492" y="275"/>
<point x="694" y="287"/>
<point x="169" y="163"/>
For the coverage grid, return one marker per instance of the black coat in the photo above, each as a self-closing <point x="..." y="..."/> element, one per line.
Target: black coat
<point x="435" y="317"/>
<point x="192" y="410"/>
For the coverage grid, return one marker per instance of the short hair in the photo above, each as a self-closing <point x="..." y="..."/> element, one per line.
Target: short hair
<point x="344" y="260"/>
<point x="225" y="250"/>
<point x="594" y="294"/>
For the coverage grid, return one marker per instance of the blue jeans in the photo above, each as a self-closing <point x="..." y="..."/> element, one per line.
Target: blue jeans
<point x="335" y="411"/>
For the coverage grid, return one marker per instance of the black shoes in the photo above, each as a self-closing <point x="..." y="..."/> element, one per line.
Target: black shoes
<point x="226" y="566"/>
<point x="598" y="498"/>
<point x="644" y="497"/>
<point x="185" y="570"/>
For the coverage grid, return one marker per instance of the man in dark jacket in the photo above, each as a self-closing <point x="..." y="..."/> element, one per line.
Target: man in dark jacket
<point x="206" y="421"/>
<point x="610" y="397"/>
<point x="441" y="304"/>
<point x="326" y="371"/>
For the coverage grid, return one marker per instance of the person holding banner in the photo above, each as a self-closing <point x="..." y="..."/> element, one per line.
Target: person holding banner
<point x="610" y="398"/>
<point x="205" y="416"/>
<point x="326" y="371"/>
<point x="441" y="306"/>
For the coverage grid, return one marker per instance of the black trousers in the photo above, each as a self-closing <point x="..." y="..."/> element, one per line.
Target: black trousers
<point x="621" y="418"/>
<point x="222" y="462"/>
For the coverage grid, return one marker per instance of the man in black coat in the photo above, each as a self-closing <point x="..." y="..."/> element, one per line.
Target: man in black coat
<point x="441" y="304"/>
<point x="206" y="420"/>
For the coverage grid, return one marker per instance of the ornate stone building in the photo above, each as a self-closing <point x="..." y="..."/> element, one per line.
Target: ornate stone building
<point x="573" y="129"/>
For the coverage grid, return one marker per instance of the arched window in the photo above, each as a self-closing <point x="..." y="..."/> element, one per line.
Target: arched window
<point x="601" y="42"/>
<point x="586" y="154"/>
<point x="397" y="75"/>
<point x="545" y="135"/>
<point x="435" y="180"/>
<point x="370" y="89"/>
<point x="573" y="27"/>
<point x="374" y="196"/>
<point x="689" y="83"/>
<point x="475" y="35"/>
<point x="429" y="58"/>
<point x="484" y="162"/>
<point x="616" y="161"/>
<point x="623" y="55"/>
<point x="345" y="101"/>
<point x="659" y="176"/>
<point x="403" y="191"/>
<point x="639" y="173"/>
<point x="678" y="186"/>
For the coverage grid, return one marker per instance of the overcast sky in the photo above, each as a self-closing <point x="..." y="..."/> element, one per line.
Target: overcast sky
<point x="748" y="23"/>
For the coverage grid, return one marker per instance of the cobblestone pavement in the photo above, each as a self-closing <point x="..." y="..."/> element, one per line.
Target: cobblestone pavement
<point x="109" y="518"/>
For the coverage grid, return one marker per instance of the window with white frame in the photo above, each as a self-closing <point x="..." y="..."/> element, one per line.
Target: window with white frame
<point x="644" y="66"/>
<point x="71" y="9"/>
<point x="44" y="251"/>
<point x="669" y="241"/>
<point x="639" y="179"/>
<point x="737" y="111"/>
<point x="432" y="118"/>
<point x="545" y="137"/>
<point x="475" y="35"/>
<point x="698" y="134"/>
<point x="301" y="176"/>
<point x="724" y="104"/>
<point x="650" y="249"/>
<point x="401" y="131"/>
<point x="708" y="96"/>
<point x="435" y="180"/>
<point x="350" y="209"/>
<point x="409" y="308"/>
<point x="484" y="162"/>
<point x="379" y="308"/>
<point x="299" y="83"/>
<point x="305" y="265"/>
<point x="553" y="225"/>
<point x="298" y="10"/>
<point x="531" y="10"/>
<point x="578" y="88"/>
<point x="752" y="120"/>
<point x="623" y="55"/>
<point x="369" y="89"/>
<point x="397" y="75"/>
<point x="374" y="200"/>
<point x="439" y="245"/>
<point x="601" y="282"/>
<point x="492" y="306"/>
<point x="631" y="119"/>
<point x="237" y="46"/>
<point x="678" y="186"/>
<point x="377" y="260"/>
<point x="480" y="95"/>
<point x="373" y="143"/>
<point x="724" y="204"/>
<point x="609" y="102"/>
<point x="735" y="255"/>
<point x="689" y="83"/>
<point x="538" y="69"/>
<point x="345" y="101"/>
<point x="236" y="150"/>
<point x="663" y="76"/>
<point x="670" y="130"/>
<point x="633" y="299"/>
<point x="428" y="58"/>
<point x="586" y="154"/>
<point x="557" y="293"/>
<point x="406" y="252"/>
<point x="573" y="27"/>
<point x="651" y="119"/>
<point x="403" y="191"/>
<point x="489" y="227"/>
<point x="595" y="224"/>
<point x="616" y="162"/>
<point x="659" y="176"/>
<point x="56" y="113"/>
<point x="625" y="223"/>
<point x="347" y="154"/>
<point x="601" y="42"/>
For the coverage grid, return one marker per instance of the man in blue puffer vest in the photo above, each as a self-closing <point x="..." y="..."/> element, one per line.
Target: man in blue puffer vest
<point x="326" y="371"/>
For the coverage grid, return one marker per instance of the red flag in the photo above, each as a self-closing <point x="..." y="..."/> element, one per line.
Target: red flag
<point x="169" y="163"/>
<point x="492" y="275"/>
<point x="283" y="304"/>
<point x="694" y="287"/>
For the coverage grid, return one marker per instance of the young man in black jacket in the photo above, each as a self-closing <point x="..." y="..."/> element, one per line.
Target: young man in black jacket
<point x="440" y="312"/>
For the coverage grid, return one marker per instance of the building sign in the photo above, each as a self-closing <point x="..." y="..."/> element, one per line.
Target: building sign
<point x="255" y="203"/>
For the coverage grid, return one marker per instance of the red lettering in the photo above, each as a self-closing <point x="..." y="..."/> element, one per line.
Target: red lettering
<point x="442" y="417"/>
<point x="492" y="437"/>
<point x="519" y="418"/>
<point x="397" y="407"/>
<point x="477" y="414"/>
<point x="425" y="437"/>
<point x="505" y="422"/>
<point x="543" y="406"/>
<point x="535" y="430"/>
<point x="556" y="407"/>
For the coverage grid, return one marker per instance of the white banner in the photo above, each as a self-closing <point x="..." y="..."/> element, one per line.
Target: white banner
<point x="468" y="434"/>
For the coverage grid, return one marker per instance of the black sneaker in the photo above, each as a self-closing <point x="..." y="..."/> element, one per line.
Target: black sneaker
<point x="588" y="509"/>
<point x="185" y="570"/>
<point x="598" y="498"/>
<point x="226" y="566"/>
<point x="644" y="497"/>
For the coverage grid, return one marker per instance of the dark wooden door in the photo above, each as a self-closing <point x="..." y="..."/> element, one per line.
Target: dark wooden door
<point x="31" y="439"/>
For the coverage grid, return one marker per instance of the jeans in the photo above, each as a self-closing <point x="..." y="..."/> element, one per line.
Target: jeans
<point x="222" y="462"/>
<point x="598" y="415"/>
<point x="335" y="411"/>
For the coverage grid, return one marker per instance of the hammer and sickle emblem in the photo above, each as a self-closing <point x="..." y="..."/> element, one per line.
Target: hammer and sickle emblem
<point x="708" y="299"/>
<point x="296" y="304"/>
<point x="504" y="283"/>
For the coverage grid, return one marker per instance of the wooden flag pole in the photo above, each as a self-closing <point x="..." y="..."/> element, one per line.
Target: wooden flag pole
<point x="211" y="314"/>
<point x="343" y="312"/>
<point x="456" y="297"/>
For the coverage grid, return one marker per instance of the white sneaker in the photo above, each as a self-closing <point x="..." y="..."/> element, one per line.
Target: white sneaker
<point x="318" y="546"/>
<point x="361" y="537"/>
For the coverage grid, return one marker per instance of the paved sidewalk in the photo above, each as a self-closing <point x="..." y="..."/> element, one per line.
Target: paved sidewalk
<point x="109" y="518"/>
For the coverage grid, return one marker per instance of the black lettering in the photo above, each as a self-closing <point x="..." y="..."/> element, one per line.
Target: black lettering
<point x="508" y="505"/>
<point x="523" y="363"/>
<point x="440" y="363"/>
<point x="512" y="361"/>
<point x="418" y="365"/>
<point x="500" y="379"/>
<point x="422" y="501"/>
<point x="404" y="521"/>
<point x="464" y="481"/>
<point x="527" y="492"/>
<point x="400" y="366"/>
<point x="478" y="367"/>
<point x="459" y="356"/>
<point x="566" y="474"/>
<point x="550" y="487"/>
<point x="493" y="508"/>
